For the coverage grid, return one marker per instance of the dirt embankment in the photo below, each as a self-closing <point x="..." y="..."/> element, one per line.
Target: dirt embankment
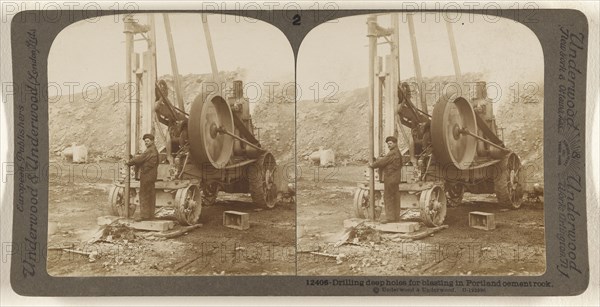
<point x="97" y="118"/>
<point x="343" y="125"/>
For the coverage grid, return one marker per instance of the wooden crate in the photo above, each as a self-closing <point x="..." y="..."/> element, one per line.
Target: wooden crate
<point x="236" y="220"/>
<point x="482" y="220"/>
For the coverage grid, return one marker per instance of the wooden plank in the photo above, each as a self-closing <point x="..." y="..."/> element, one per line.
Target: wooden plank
<point x="150" y="225"/>
<point x="401" y="227"/>
<point x="418" y="235"/>
<point x="209" y="47"/>
<point x="457" y="71"/>
<point x="417" y="62"/>
<point x="174" y="68"/>
<point x="178" y="232"/>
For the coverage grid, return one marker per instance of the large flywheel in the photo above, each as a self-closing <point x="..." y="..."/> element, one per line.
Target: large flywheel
<point x="452" y="116"/>
<point x="208" y="114"/>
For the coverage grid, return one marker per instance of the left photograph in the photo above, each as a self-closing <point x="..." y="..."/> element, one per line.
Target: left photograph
<point x="171" y="147"/>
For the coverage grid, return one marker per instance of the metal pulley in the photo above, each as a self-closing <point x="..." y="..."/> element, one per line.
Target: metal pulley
<point x="452" y="118"/>
<point x="208" y="115"/>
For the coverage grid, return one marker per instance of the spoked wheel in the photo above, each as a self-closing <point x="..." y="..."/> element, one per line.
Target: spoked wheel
<point x="433" y="206"/>
<point x="362" y="206"/>
<point x="454" y="193"/>
<point x="261" y="178"/>
<point x="508" y="182"/>
<point x="116" y="197"/>
<point x="210" y="192"/>
<point x="188" y="205"/>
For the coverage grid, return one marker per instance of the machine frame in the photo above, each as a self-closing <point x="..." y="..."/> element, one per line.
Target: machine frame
<point x="455" y="149"/>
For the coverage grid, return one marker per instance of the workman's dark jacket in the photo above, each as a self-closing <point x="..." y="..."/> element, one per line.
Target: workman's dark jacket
<point x="391" y="165"/>
<point x="148" y="163"/>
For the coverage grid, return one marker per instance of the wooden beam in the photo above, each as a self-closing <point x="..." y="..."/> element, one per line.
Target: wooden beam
<point x="178" y="88"/>
<point x="395" y="74"/>
<point x="209" y="46"/>
<point x="417" y="62"/>
<point x="457" y="71"/>
<point x="148" y="113"/>
<point x="128" y="22"/>
<point x="372" y="29"/>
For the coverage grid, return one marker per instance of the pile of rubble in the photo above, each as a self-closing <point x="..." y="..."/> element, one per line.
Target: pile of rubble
<point x="522" y="120"/>
<point x="96" y="119"/>
<point x="274" y="122"/>
<point x="343" y="125"/>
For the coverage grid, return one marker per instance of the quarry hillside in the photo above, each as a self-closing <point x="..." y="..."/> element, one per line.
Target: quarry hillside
<point x="342" y="125"/>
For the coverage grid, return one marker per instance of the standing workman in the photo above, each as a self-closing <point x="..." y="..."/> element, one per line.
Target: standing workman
<point x="391" y="165"/>
<point x="147" y="162"/>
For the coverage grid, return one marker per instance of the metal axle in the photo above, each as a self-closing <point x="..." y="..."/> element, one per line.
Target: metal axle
<point x="224" y="131"/>
<point x="466" y="131"/>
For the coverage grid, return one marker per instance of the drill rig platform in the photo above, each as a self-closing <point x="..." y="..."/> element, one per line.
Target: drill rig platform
<point x="210" y="147"/>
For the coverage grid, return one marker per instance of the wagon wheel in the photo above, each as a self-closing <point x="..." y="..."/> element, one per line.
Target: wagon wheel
<point x="508" y="182"/>
<point x="454" y="193"/>
<point x="433" y="206"/>
<point x="209" y="193"/>
<point x="362" y="207"/>
<point x="117" y="203"/>
<point x="188" y="205"/>
<point x="261" y="179"/>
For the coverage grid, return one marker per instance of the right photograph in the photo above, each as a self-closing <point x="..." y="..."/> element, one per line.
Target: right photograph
<point x="420" y="147"/>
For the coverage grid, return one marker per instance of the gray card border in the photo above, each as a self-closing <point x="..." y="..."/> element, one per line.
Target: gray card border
<point x="564" y="179"/>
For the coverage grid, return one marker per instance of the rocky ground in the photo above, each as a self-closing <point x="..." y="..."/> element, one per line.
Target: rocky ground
<point x="515" y="247"/>
<point x="77" y="200"/>
<point x="78" y="195"/>
<point x="325" y="200"/>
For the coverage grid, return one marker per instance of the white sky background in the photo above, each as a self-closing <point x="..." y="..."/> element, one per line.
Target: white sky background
<point x="338" y="51"/>
<point x="94" y="50"/>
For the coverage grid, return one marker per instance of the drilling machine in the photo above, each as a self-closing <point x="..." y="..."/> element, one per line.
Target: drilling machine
<point x="210" y="148"/>
<point x="455" y="149"/>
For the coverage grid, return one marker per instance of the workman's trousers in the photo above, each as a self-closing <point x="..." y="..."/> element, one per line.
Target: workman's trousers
<point x="391" y="199"/>
<point x="147" y="198"/>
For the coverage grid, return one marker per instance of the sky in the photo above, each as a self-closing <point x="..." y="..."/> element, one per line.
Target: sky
<point x="337" y="51"/>
<point x="94" y="50"/>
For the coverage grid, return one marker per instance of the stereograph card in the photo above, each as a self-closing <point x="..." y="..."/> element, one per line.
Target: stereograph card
<point x="405" y="152"/>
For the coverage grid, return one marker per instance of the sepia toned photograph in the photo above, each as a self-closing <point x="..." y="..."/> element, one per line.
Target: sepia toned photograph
<point x="422" y="153"/>
<point x="171" y="147"/>
<point x="298" y="149"/>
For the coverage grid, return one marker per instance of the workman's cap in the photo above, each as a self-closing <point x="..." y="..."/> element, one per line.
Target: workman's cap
<point x="148" y="136"/>
<point x="391" y="138"/>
